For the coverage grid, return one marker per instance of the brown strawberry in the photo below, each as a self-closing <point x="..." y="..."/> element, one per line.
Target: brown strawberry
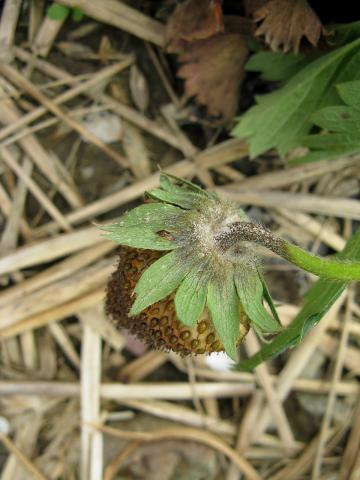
<point x="158" y="325"/>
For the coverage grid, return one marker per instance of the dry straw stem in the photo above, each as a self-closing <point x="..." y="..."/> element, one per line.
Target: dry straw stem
<point x="352" y="449"/>
<point x="63" y="340"/>
<point x="91" y="442"/>
<point x="313" y="227"/>
<point x="123" y="17"/>
<point x="25" y="462"/>
<point x="182" y="414"/>
<point x="297" y="362"/>
<point x="57" y="294"/>
<point x="190" y="434"/>
<point x="339" y="364"/>
<point x="142" y="366"/>
<point x="50" y="249"/>
<point x="48" y="164"/>
<point x="262" y="375"/>
<point x="119" y="392"/>
<point x="26" y="86"/>
<point x="128" y="113"/>
<point x="95" y="318"/>
<point x="41" y="197"/>
<point x="330" y="345"/>
<point x="245" y="429"/>
<point x="83" y="87"/>
<point x="36" y="16"/>
<point x="46" y="35"/>
<point x="6" y="208"/>
<point x="295" y="175"/>
<point x="11" y="233"/>
<point x="9" y="19"/>
<point x="73" y="307"/>
<point x="334" y="207"/>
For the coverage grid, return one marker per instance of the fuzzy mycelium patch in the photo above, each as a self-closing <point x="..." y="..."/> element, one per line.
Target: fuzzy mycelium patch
<point x="203" y="274"/>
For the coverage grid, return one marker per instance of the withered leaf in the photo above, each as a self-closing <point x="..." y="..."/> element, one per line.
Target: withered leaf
<point x="286" y="22"/>
<point x="193" y="20"/>
<point x="213" y="70"/>
<point x="252" y="5"/>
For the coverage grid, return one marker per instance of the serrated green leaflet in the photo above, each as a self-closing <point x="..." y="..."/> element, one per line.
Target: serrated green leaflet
<point x="281" y="118"/>
<point x="155" y="216"/>
<point x="165" y="182"/>
<point x="318" y="301"/>
<point x="158" y="281"/>
<point x="277" y="66"/>
<point x="139" y="237"/>
<point x="190" y="297"/>
<point x="57" y="12"/>
<point x="224" y="306"/>
<point x="342" y="125"/>
<point x="251" y="293"/>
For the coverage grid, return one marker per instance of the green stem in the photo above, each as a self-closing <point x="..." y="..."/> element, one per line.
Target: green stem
<point x="337" y="269"/>
<point x="251" y="232"/>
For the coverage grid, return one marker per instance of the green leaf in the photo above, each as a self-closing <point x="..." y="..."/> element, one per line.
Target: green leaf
<point x="318" y="300"/>
<point x="139" y="237"/>
<point x="158" y="281"/>
<point x="190" y="297"/>
<point x="251" y="293"/>
<point x="153" y="216"/>
<point x="77" y="14"/>
<point x="344" y="33"/>
<point x="57" y="12"/>
<point x="341" y="125"/>
<point x="281" y="118"/>
<point x="350" y="93"/>
<point x="277" y="66"/>
<point x="224" y="307"/>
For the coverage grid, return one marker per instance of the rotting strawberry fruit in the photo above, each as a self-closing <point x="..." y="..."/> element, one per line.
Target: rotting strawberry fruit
<point x="158" y="325"/>
<point x="183" y="285"/>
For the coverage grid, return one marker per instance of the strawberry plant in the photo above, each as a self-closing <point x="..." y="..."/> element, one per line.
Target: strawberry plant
<point x="189" y="276"/>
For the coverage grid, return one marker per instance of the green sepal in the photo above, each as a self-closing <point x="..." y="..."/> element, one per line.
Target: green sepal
<point x="224" y="307"/>
<point x="153" y="216"/>
<point x="251" y="293"/>
<point x="190" y="297"/>
<point x="168" y="185"/>
<point x="158" y="281"/>
<point x="139" y="237"/>
<point x="184" y="199"/>
<point x="57" y="12"/>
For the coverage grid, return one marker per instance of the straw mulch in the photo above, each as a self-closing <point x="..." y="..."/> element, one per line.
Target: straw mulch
<point x="79" y="399"/>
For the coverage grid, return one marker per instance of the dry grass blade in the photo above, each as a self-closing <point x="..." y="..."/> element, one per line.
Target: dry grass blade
<point x="91" y="442"/>
<point x="186" y="434"/>
<point x="26" y="463"/>
<point x="352" y="450"/>
<point x="121" y="16"/>
<point x="9" y="19"/>
<point x="339" y="363"/>
<point x="29" y="88"/>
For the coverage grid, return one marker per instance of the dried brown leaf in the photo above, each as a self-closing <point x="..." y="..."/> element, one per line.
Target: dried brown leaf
<point x="213" y="70"/>
<point x="286" y="22"/>
<point x="193" y="20"/>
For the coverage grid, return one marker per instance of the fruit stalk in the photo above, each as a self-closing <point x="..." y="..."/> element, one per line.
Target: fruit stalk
<point x="251" y="232"/>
